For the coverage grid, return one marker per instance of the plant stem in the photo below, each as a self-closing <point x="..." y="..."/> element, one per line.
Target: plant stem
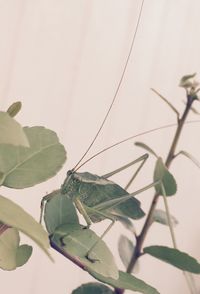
<point x="171" y="154"/>
<point x="67" y="255"/>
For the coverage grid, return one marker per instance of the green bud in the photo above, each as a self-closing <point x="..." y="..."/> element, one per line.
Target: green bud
<point x="14" y="108"/>
<point x="187" y="81"/>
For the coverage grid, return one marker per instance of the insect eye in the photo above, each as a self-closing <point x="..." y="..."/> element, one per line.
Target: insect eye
<point x="76" y="181"/>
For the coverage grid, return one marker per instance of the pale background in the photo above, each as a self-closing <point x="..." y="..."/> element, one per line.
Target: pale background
<point x="63" y="60"/>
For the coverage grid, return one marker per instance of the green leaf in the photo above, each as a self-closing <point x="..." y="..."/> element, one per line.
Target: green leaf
<point x="160" y="216"/>
<point x="23" y="254"/>
<point x="146" y="147"/>
<point x="11" y="254"/>
<point x="25" y="167"/>
<point x="162" y="174"/>
<point x="59" y="210"/>
<point x="77" y="241"/>
<point x="126" y="281"/>
<point x="9" y="242"/>
<point x="13" y="215"/>
<point x="93" y="288"/>
<point x="186" y="81"/>
<point x="11" y="131"/>
<point x="14" y="108"/>
<point x="126" y="249"/>
<point x="174" y="257"/>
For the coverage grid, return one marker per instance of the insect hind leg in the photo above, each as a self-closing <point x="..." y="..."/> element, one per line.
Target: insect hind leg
<point x="141" y="159"/>
<point x="91" y="254"/>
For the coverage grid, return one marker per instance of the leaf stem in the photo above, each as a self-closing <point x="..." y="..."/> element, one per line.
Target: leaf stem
<point x="171" y="155"/>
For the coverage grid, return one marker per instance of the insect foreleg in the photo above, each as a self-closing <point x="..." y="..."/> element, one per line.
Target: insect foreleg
<point x="42" y="204"/>
<point x="82" y="211"/>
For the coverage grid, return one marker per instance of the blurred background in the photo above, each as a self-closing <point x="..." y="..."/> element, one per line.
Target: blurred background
<point x="63" y="59"/>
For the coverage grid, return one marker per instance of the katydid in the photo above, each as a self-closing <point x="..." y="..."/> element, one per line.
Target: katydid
<point x="98" y="198"/>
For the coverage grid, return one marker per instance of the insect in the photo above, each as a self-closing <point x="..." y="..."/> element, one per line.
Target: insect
<point x="97" y="198"/>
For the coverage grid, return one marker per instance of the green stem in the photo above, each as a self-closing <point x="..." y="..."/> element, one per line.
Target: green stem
<point x="141" y="237"/>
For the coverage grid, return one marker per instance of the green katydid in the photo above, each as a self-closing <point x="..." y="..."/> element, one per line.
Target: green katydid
<point x="98" y="198"/>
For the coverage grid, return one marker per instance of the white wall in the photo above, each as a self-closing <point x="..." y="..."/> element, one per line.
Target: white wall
<point x="63" y="60"/>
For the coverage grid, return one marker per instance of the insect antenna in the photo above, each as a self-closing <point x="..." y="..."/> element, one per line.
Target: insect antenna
<point x="135" y="136"/>
<point x="117" y="89"/>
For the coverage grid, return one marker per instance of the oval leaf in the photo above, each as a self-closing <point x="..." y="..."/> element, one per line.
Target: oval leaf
<point x="9" y="242"/>
<point x="77" y="241"/>
<point x="162" y="174"/>
<point x="160" y="216"/>
<point x="24" y="167"/>
<point x="174" y="257"/>
<point x="11" y="131"/>
<point x="126" y="249"/>
<point x="93" y="288"/>
<point x="127" y="281"/>
<point x="11" y="254"/>
<point x="23" y="254"/>
<point x="13" y="215"/>
<point x="59" y="210"/>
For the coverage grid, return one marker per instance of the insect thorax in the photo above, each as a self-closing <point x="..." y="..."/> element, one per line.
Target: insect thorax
<point x="70" y="185"/>
<point x="80" y="184"/>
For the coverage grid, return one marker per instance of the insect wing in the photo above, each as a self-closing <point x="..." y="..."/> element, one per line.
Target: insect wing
<point x="95" y="190"/>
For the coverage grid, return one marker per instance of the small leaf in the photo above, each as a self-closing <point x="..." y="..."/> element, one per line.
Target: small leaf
<point x="93" y="288"/>
<point x="23" y="254"/>
<point x="174" y="257"/>
<point x="167" y="102"/>
<point x="59" y="210"/>
<point x="13" y="215"/>
<point x="126" y="250"/>
<point x="162" y="174"/>
<point x="194" y="110"/>
<point x="160" y="216"/>
<point x="25" y="167"/>
<point x="11" y="254"/>
<point x="11" y="131"/>
<point x="126" y="281"/>
<point x="14" y="108"/>
<point x="191" y="157"/>
<point x="9" y="242"/>
<point x="146" y="147"/>
<point x="77" y="241"/>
